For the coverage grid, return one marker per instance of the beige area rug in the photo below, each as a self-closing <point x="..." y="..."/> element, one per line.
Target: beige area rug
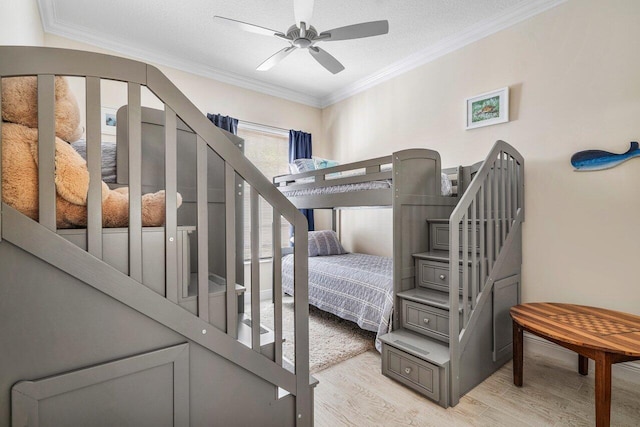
<point x="331" y="339"/>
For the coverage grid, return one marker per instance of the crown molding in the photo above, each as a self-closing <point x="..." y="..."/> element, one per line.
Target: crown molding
<point x="52" y="25"/>
<point x="472" y="34"/>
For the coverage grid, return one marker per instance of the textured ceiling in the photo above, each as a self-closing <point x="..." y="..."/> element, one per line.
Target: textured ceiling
<point x="184" y="35"/>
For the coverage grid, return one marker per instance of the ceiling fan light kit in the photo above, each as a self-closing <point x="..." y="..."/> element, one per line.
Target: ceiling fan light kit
<point x="305" y="36"/>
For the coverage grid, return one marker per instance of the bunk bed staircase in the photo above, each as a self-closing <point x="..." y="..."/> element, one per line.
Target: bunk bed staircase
<point x="484" y="269"/>
<point x="145" y="325"/>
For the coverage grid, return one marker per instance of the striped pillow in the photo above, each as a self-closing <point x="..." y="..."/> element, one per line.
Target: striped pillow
<point x="324" y="242"/>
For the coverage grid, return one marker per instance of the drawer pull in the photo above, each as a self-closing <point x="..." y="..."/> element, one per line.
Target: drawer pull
<point x="407" y="370"/>
<point x="426" y="321"/>
<point x="442" y="277"/>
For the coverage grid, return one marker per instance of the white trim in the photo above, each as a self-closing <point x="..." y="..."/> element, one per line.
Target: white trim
<point x="472" y="34"/>
<point x="536" y="345"/>
<point x="510" y="17"/>
<point x="257" y="127"/>
<point x="265" y="295"/>
<point x="52" y="25"/>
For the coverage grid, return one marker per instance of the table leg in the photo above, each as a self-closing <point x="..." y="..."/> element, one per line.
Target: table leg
<point x="517" y="354"/>
<point x="603" y="390"/>
<point x="583" y="365"/>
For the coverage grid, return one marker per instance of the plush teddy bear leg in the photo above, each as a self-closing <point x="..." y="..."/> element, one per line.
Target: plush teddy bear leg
<point x="153" y="214"/>
<point x="115" y="209"/>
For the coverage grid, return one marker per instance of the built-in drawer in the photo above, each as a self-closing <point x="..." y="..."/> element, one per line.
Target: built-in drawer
<point x="418" y="374"/>
<point x="439" y="236"/>
<point x="426" y="320"/>
<point x="435" y="275"/>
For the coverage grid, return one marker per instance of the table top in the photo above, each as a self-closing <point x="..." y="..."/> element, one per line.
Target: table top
<point x="591" y="327"/>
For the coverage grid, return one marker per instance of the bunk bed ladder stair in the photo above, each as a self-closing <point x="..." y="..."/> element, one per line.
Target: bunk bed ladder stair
<point x="125" y="321"/>
<point x="484" y="268"/>
<point x="418" y="354"/>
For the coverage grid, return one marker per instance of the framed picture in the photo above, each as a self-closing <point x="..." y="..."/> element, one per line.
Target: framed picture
<point x="108" y="120"/>
<point x="488" y="108"/>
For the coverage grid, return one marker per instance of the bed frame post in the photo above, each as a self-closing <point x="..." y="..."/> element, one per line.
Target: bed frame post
<point x="0" y="161"/>
<point x="135" y="181"/>
<point x="94" y="164"/>
<point x="230" y="248"/>
<point x="203" y="228"/>
<point x="171" y="203"/>
<point x="46" y="151"/>
<point x="334" y="219"/>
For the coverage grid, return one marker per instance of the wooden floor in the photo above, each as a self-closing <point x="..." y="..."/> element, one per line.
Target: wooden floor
<point x="354" y="393"/>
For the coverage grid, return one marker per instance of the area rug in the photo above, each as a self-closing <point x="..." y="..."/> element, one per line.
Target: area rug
<point x="331" y="339"/>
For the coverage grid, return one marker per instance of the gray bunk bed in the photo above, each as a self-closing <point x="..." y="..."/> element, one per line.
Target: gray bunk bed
<point x="483" y="213"/>
<point x="144" y="325"/>
<point x="353" y="286"/>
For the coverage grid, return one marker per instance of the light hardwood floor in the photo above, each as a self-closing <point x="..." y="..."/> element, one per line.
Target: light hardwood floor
<point x="354" y="393"/>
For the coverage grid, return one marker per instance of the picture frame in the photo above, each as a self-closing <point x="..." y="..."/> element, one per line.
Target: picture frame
<point x="489" y="108"/>
<point x="108" y="120"/>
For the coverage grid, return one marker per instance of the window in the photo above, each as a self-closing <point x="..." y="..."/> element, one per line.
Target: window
<point x="268" y="149"/>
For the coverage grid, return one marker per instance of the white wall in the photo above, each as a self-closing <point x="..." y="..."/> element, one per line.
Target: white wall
<point x="575" y="85"/>
<point x="211" y="96"/>
<point x="20" y="23"/>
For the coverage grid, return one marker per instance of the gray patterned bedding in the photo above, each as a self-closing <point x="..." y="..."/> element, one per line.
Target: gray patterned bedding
<point x="335" y="189"/>
<point x="355" y="287"/>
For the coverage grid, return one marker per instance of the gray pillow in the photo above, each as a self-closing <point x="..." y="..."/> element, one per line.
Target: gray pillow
<point x="108" y="158"/>
<point x="324" y="242"/>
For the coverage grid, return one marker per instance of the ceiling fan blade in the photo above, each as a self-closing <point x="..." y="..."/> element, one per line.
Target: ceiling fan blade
<point x="303" y="10"/>
<point x="357" y="31"/>
<point x="275" y="58"/>
<point x="326" y="59"/>
<point x="248" y="27"/>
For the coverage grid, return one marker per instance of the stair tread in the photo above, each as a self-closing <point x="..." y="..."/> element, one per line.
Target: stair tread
<point x="244" y="332"/>
<point x="289" y="366"/>
<point x="429" y="297"/>
<point x="217" y="285"/>
<point x="446" y="220"/>
<point x="118" y="230"/>
<point x="442" y="256"/>
<point x="421" y="346"/>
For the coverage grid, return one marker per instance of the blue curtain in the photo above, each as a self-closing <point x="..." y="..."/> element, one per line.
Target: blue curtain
<point x="300" y="148"/>
<point x="224" y="122"/>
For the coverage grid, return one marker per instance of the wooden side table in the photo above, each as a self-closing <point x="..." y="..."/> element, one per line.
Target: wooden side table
<point x="606" y="336"/>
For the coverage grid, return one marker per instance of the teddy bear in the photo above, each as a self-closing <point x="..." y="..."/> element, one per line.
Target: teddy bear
<point x="20" y="161"/>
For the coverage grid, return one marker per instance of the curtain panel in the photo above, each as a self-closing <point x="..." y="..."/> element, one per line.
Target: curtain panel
<point x="300" y="148"/>
<point x="224" y="122"/>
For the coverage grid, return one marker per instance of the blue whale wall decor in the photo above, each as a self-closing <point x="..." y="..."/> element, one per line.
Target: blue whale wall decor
<point x="593" y="160"/>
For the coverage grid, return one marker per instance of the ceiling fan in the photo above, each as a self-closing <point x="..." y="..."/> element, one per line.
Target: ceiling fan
<point x="302" y="35"/>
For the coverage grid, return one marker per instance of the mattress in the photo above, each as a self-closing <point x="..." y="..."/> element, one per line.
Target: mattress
<point x="355" y="287"/>
<point x="445" y="184"/>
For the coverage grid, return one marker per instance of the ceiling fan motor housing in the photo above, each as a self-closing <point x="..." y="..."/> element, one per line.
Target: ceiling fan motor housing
<point x="293" y="34"/>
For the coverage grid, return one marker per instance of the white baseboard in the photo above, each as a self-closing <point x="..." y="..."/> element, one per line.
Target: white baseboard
<point x="264" y="295"/>
<point x="533" y="344"/>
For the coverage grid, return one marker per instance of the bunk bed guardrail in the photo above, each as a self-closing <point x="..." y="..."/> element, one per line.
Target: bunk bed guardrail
<point x="46" y="63"/>
<point x="485" y="222"/>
